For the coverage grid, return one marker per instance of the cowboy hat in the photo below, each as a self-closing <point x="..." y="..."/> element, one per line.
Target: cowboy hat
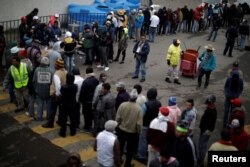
<point x="209" y="47"/>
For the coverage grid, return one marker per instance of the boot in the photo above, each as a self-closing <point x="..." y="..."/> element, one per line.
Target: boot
<point x="176" y="81"/>
<point x="168" y="80"/>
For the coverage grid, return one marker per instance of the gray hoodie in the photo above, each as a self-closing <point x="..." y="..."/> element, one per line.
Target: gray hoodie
<point x="53" y="55"/>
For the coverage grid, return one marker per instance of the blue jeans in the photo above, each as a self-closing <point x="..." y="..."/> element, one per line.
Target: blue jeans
<point x="89" y="56"/>
<point x="69" y="63"/>
<point x="152" y="33"/>
<point x="195" y="26"/>
<point x="41" y="102"/>
<point x="242" y="41"/>
<point x="213" y="30"/>
<point x="140" y="66"/>
<point x="31" y="105"/>
<point x="203" y="140"/>
<point x="131" y="30"/>
<point x="143" y="144"/>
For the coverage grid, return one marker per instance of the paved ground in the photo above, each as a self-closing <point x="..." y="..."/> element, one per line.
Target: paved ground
<point x="24" y="142"/>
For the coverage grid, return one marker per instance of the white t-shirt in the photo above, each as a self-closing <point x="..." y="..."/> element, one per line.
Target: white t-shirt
<point x="154" y="21"/>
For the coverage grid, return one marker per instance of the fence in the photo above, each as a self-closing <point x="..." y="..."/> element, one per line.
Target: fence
<point x="11" y="28"/>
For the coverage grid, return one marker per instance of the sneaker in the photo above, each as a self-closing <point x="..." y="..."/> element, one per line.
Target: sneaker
<point x="122" y="62"/>
<point x="100" y="66"/>
<point x="106" y="69"/>
<point x="115" y="60"/>
<point x="168" y="80"/>
<point x="47" y="125"/>
<point x="176" y="81"/>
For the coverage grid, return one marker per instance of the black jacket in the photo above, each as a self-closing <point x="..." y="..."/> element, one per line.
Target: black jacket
<point x="208" y="119"/>
<point x="152" y="110"/>
<point x="88" y="89"/>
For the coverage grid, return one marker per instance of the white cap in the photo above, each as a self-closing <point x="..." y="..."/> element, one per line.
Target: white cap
<point x="56" y="15"/>
<point x="35" y="18"/>
<point x="14" y="50"/>
<point x="68" y="34"/>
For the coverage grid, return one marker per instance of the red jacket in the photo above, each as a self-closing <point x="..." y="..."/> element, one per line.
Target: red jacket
<point x="239" y="139"/>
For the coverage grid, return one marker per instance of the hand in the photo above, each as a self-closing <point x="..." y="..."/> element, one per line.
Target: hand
<point x="207" y="132"/>
<point x="168" y="61"/>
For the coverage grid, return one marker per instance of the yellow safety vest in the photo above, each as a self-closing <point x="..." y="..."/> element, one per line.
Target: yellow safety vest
<point x="20" y="76"/>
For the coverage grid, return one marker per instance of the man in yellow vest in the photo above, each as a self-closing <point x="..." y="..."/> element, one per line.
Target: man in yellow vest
<point x="18" y="74"/>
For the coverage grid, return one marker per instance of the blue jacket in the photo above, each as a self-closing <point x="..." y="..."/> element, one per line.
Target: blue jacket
<point x="233" y="93"/>
<point x="139" y="21"/>
<point x="211" y="63"/>
<point x="144" y="51"/>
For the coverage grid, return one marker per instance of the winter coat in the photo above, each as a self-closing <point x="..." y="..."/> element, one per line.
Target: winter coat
<point x="174" y="54"/>
<point x="144" y="51"/>
<point x="41" y="81"/>
<point x="208" y="120"/>
<point x="210" y="64"/>
<point x="121" y="97"/>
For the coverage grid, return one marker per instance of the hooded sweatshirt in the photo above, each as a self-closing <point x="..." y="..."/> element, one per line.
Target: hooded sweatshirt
<point x="54" y="55"/>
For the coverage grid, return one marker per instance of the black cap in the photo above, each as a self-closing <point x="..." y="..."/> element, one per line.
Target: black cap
<point x="210" y="99"/>
<point x="236" y="64"/>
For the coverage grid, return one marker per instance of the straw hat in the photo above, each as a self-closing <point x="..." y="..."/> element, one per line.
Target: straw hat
<point x="209" y="47"/>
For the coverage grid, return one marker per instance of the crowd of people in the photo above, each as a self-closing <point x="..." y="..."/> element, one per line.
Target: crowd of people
<point x="153" y="134"/>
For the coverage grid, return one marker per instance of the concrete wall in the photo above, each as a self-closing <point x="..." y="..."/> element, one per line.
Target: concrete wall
<point x="14" y="9"/>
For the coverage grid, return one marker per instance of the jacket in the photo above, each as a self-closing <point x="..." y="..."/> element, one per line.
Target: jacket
<point x="208" y="119"/>
<point x="210" y="64"/>
<point x="160" y="131"/>
<point x="139" y="21"/>
<point x="174" y="55"/>
<point x="88" y="89"/>
<point x="144" y="51"/>
<point x="152" y="110"/>
<point x="121" y="97"/>
<point x="230" y="93"/>
<point x="41" y="81"/>
<point x="88" y="41"/>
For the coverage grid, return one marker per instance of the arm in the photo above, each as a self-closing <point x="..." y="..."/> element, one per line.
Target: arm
<point x="116" y="150"/>
<point x="213" y="65"/>
<point x="95" y="145"/>
<point x="57" y="83"/>
<point x="7" y="79"/>
<point x="139" y="121"/>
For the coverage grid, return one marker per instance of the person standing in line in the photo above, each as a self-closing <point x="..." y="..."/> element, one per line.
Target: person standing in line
<point x="88" y="44"/>
<point x="68" y="99"/>
<point x="244" y="34"/>
<point x="78" y="81"/>
<point x="231" y="35"/>
<point x="207" y="125"/>
<point x="153" y="27"/>
<point x="131" y="24"/>
<point x="53" y="55"/>
<point x="160" y="132"/>
<point x="122" y="46"/>
<point x="141" y="99"/>
<point x="105" y="108"/>
<point x="173" y="61"/>
<point x="86" y="97"/>
<point x="189" y="115"/>
<point x="42" y="80"/>
<point x="235" y="67"/>
<point x="217" y="21"/>
<point x="233" y="88"/>
<point x="19" y="74"/>
<point x="207" y="65"/>
<point x="141" y="51"/>
<point x="108" y="146"/>
<point x="122" y="96"/>
<point x="224" y="144"/>
<point x="151" y="111"/>
<point x="129" y="118"/>
<point x="138" y="25"/>
<point x="59" y="79"/>
<point x="174" y="110"/>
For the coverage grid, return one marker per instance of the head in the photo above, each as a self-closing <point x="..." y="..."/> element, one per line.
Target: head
<point x="209" y="49"/>
<point x="86" y="28"/>
<point x="55" y="24"/>
<point x="16" y="61"/>
<point x="236" y="102"/>
<point x="89" y="70"/>
<point x="103" y="77"/>
<point x="172" y="101"/>
<point x="120" y="86"/>
<point x="105" y="88"/>
<point x="133" y="95"/>
<point x="189" y="104"/>
<point x="56" y="46"/>
<point x="235" y="65"/>
<point x="164" y="111"/>
<point x="44" y="61"/>
<point x="211" y="99"/>
<point x="108" y="23"/>
<point x="143" y="38"/>
<point x="75" y="71"/>
<point x="14" y="50"/>
<point x="182" y="129"/>
<point x="57" y="16"/>
<point x="74" y="160"/>
<point x="225" y="134"/>
<point x="70" y="78"/>
<point x="110" y="125"/>
<point x="152" y="94"/>
<point x="176" y="42"/>
<point x="35" y="11"/>
<point x="59" y="64"/>
<point x="235" y="124"/>
<point x="138" y="87"/>
<point x="68" y="34"/>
